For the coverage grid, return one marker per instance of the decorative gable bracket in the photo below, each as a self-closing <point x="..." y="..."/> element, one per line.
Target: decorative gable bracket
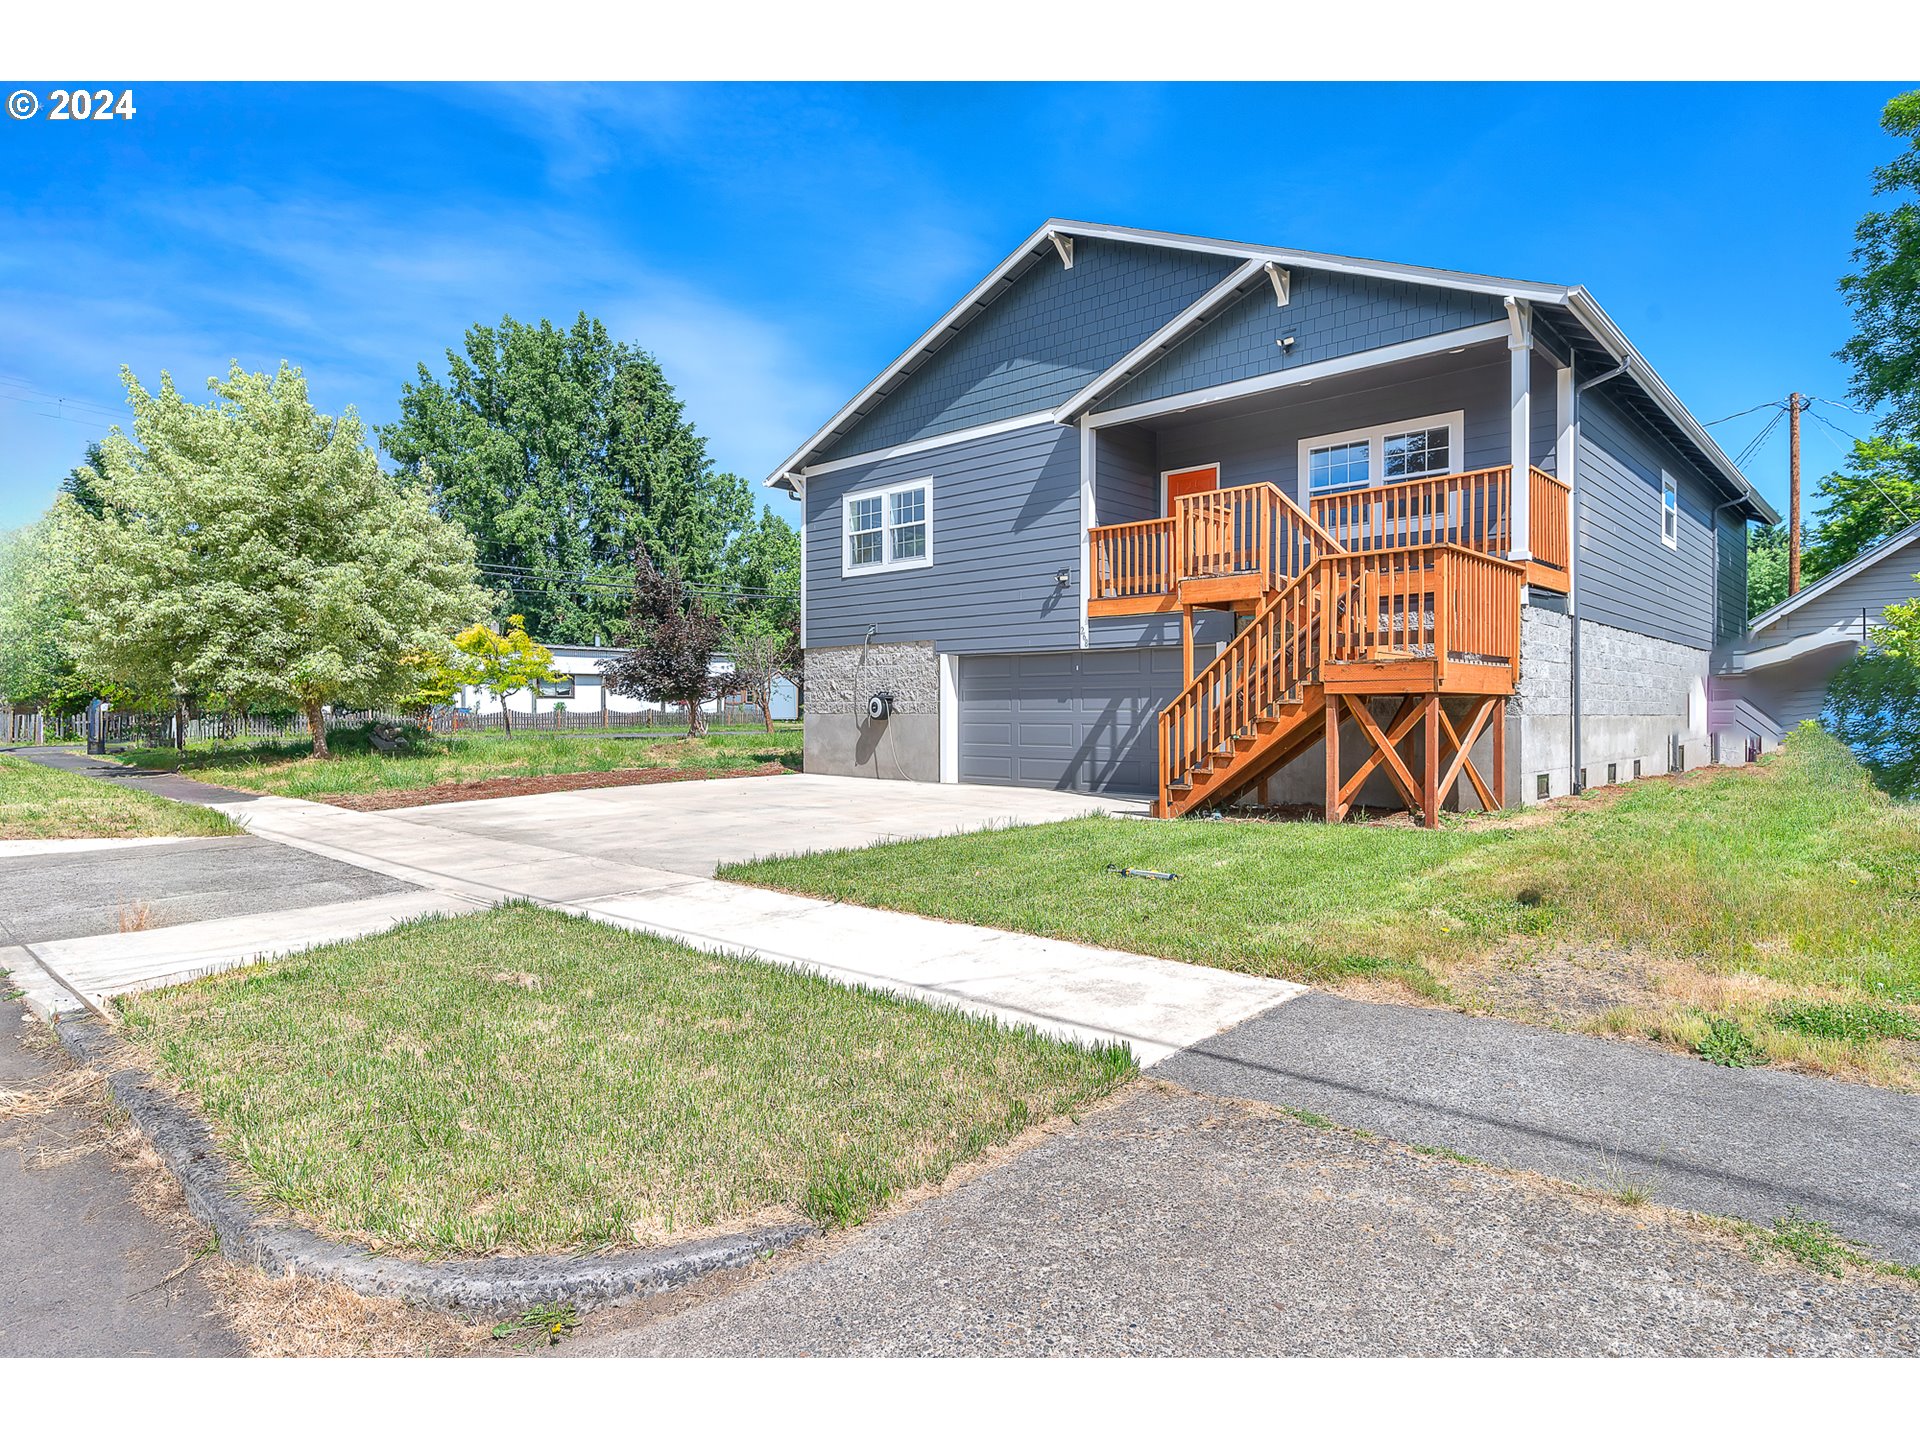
<point x="1063" y="244"/>
<point x="1282" y="279"/>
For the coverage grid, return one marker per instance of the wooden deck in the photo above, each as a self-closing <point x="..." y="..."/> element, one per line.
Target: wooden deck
<point x="1399" y="590"/>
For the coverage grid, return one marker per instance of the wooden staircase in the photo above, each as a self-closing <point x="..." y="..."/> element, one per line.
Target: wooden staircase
<point x="1416" y="621"/>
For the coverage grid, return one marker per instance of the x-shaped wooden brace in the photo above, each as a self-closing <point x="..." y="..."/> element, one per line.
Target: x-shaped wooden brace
<point x="1404" y="719"/>
<point x="1462" y="746"/>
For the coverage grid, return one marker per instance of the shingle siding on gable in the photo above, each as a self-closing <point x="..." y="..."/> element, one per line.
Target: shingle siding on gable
<point x="1006" y="519"/>
<point x="1041" y="341"/>
<point x="1627" y="576"/>
<point x="1329" y="315"/>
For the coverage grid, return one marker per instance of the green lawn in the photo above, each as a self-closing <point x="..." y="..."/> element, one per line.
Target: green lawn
<point x="522" y="1080"/>
<point x="41" y="804"/>
<point x="1761" y="898"/>
<point x="288" y="767"/>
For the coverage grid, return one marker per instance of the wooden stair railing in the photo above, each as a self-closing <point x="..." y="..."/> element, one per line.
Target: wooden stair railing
<point x="1246" y="693"/>
<point x="1256" y="532"/>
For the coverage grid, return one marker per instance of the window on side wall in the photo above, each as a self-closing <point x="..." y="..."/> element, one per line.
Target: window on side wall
<point x="888" y="528"/>
<point x="1383" y="454"/>
<point x="561" y="689"/>
<point x="1669" y="511"/>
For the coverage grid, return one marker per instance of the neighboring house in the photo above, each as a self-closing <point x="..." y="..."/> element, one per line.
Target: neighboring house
<point x="584" y="691"/>
<point x="1158" y="515"/>
<point x="1775" y="675"/>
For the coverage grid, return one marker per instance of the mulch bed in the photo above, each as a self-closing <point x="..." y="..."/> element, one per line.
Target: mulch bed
<point x="504" y="785"/>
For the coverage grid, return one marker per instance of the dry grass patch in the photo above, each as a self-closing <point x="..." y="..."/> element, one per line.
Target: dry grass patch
<point x="526" y="1081"/>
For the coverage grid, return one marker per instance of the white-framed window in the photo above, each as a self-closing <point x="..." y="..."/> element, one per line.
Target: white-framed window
<point x="1669" y="511"/>
<point x="889" y="527"/>
<point x="1384" y="454"/>
<point x="561" y="689"/>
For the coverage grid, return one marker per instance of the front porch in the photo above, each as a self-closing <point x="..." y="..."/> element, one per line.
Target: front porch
<point x="1342" y="591"/>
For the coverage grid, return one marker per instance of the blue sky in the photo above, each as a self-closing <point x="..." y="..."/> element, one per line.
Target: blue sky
<point x="775" y="246"/>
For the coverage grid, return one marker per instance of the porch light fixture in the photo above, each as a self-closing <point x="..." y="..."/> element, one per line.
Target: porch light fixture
<point x="1063" y="577"/>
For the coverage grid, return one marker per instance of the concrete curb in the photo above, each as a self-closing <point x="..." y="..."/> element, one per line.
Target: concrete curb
<point x="504" y="1286"/>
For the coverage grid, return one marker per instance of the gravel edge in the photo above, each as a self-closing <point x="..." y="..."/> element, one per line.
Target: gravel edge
<point x="503" y="1286"/>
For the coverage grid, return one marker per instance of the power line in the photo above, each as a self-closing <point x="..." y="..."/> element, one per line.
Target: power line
<point x="1754" y="445"/>
<point x="1748" y="411"/>
<point x="1867" y="475"/>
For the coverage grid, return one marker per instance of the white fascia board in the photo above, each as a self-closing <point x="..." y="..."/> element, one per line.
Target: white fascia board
<point x="933" y="442"/>
<point x="1587" y="311"/>
<point x="1162" y="338"/>
<point x="1877" y="555"/>
<point x="1314" y="260"/>
<point x="1304" y="374"/>
<point x="783" y="471"/>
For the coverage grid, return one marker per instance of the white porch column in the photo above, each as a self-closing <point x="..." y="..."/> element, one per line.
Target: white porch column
<point x="1520" y="435"/>
<point x="1089" y="517"/>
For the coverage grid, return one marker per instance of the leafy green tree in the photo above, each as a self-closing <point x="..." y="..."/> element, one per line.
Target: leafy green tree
<point x="38" y="577"/>
<point x="506" y="661"/>
<point x="1873" y="705"/>
<point x="671" y="639"/>
<point x="763" y="569"/>
<point x="79" y="485"/>
<point x="1875" y="495"/>
<point x="251" y="552"/>
<point x="564" y="453"/>
<point x="1766" y="568"/>
<point x="1884" y="291"/>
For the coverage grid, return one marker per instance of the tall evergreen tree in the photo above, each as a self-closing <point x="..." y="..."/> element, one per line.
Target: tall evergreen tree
<point x="564" y="453"/>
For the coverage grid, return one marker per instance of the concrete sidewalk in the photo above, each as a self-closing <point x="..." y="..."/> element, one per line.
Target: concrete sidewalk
<point x="1605" y="1113"/>
<point x="1079" y="991"/>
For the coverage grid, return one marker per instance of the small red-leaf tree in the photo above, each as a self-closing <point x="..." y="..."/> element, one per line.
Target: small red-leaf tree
<point x="670" y="642"/>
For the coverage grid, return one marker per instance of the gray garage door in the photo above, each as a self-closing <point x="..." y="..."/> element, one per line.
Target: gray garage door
<point x="1072" y="720"/>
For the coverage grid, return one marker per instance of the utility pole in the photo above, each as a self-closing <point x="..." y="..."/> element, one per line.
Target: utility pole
<point x="1793" y="494"/>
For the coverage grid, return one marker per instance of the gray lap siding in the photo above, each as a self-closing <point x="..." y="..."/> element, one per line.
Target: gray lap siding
<point x="1628" y="577"/>
<point x="1005" y="520"/>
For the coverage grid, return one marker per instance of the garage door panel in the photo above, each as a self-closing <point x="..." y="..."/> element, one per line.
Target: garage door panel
<point x="1072" y="720"/>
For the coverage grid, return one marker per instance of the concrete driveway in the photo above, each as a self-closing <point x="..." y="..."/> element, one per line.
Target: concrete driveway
<point x="694" y="827"/>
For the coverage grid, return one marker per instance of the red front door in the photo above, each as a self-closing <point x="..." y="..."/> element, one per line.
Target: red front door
<point x="1191" y="482"/>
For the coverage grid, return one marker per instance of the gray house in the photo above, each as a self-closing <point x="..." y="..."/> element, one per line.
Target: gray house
<point x="1205" y="521"/>
<point x="1775" y="675"/>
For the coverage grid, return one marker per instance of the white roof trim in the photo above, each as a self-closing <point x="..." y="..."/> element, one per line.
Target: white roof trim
<point x="933" y="442"/>
<point x="1866" y="560"/>
<point x="785" y="469"/>
<point x="1575" y="299"/>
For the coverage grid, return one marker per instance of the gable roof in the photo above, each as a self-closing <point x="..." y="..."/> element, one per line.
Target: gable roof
<point x="1574" y="321"/>
<point x="1865" y="560"/>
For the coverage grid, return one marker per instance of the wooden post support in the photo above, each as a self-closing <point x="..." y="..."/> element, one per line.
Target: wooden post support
<point x="1334" y="811"/>
<point x="1186" y="644"/>
<point x="1430" y="769"/>
<point x="1500" y="753"/>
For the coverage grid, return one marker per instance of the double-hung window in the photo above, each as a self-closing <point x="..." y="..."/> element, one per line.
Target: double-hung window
<point x="890" y="528"/>
<point x="1383" y="454"/>
<point x="1669" y="511"/>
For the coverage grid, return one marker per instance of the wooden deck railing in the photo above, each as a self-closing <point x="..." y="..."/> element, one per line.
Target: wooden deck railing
<point x="1443" y="602"/>
<point x="1132" y="561"/>
<point x="1243" y="530"/>
<point x="1250" y="530"/>
<point x="1472" y="509"/>
<point x="1549" y="520"/>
